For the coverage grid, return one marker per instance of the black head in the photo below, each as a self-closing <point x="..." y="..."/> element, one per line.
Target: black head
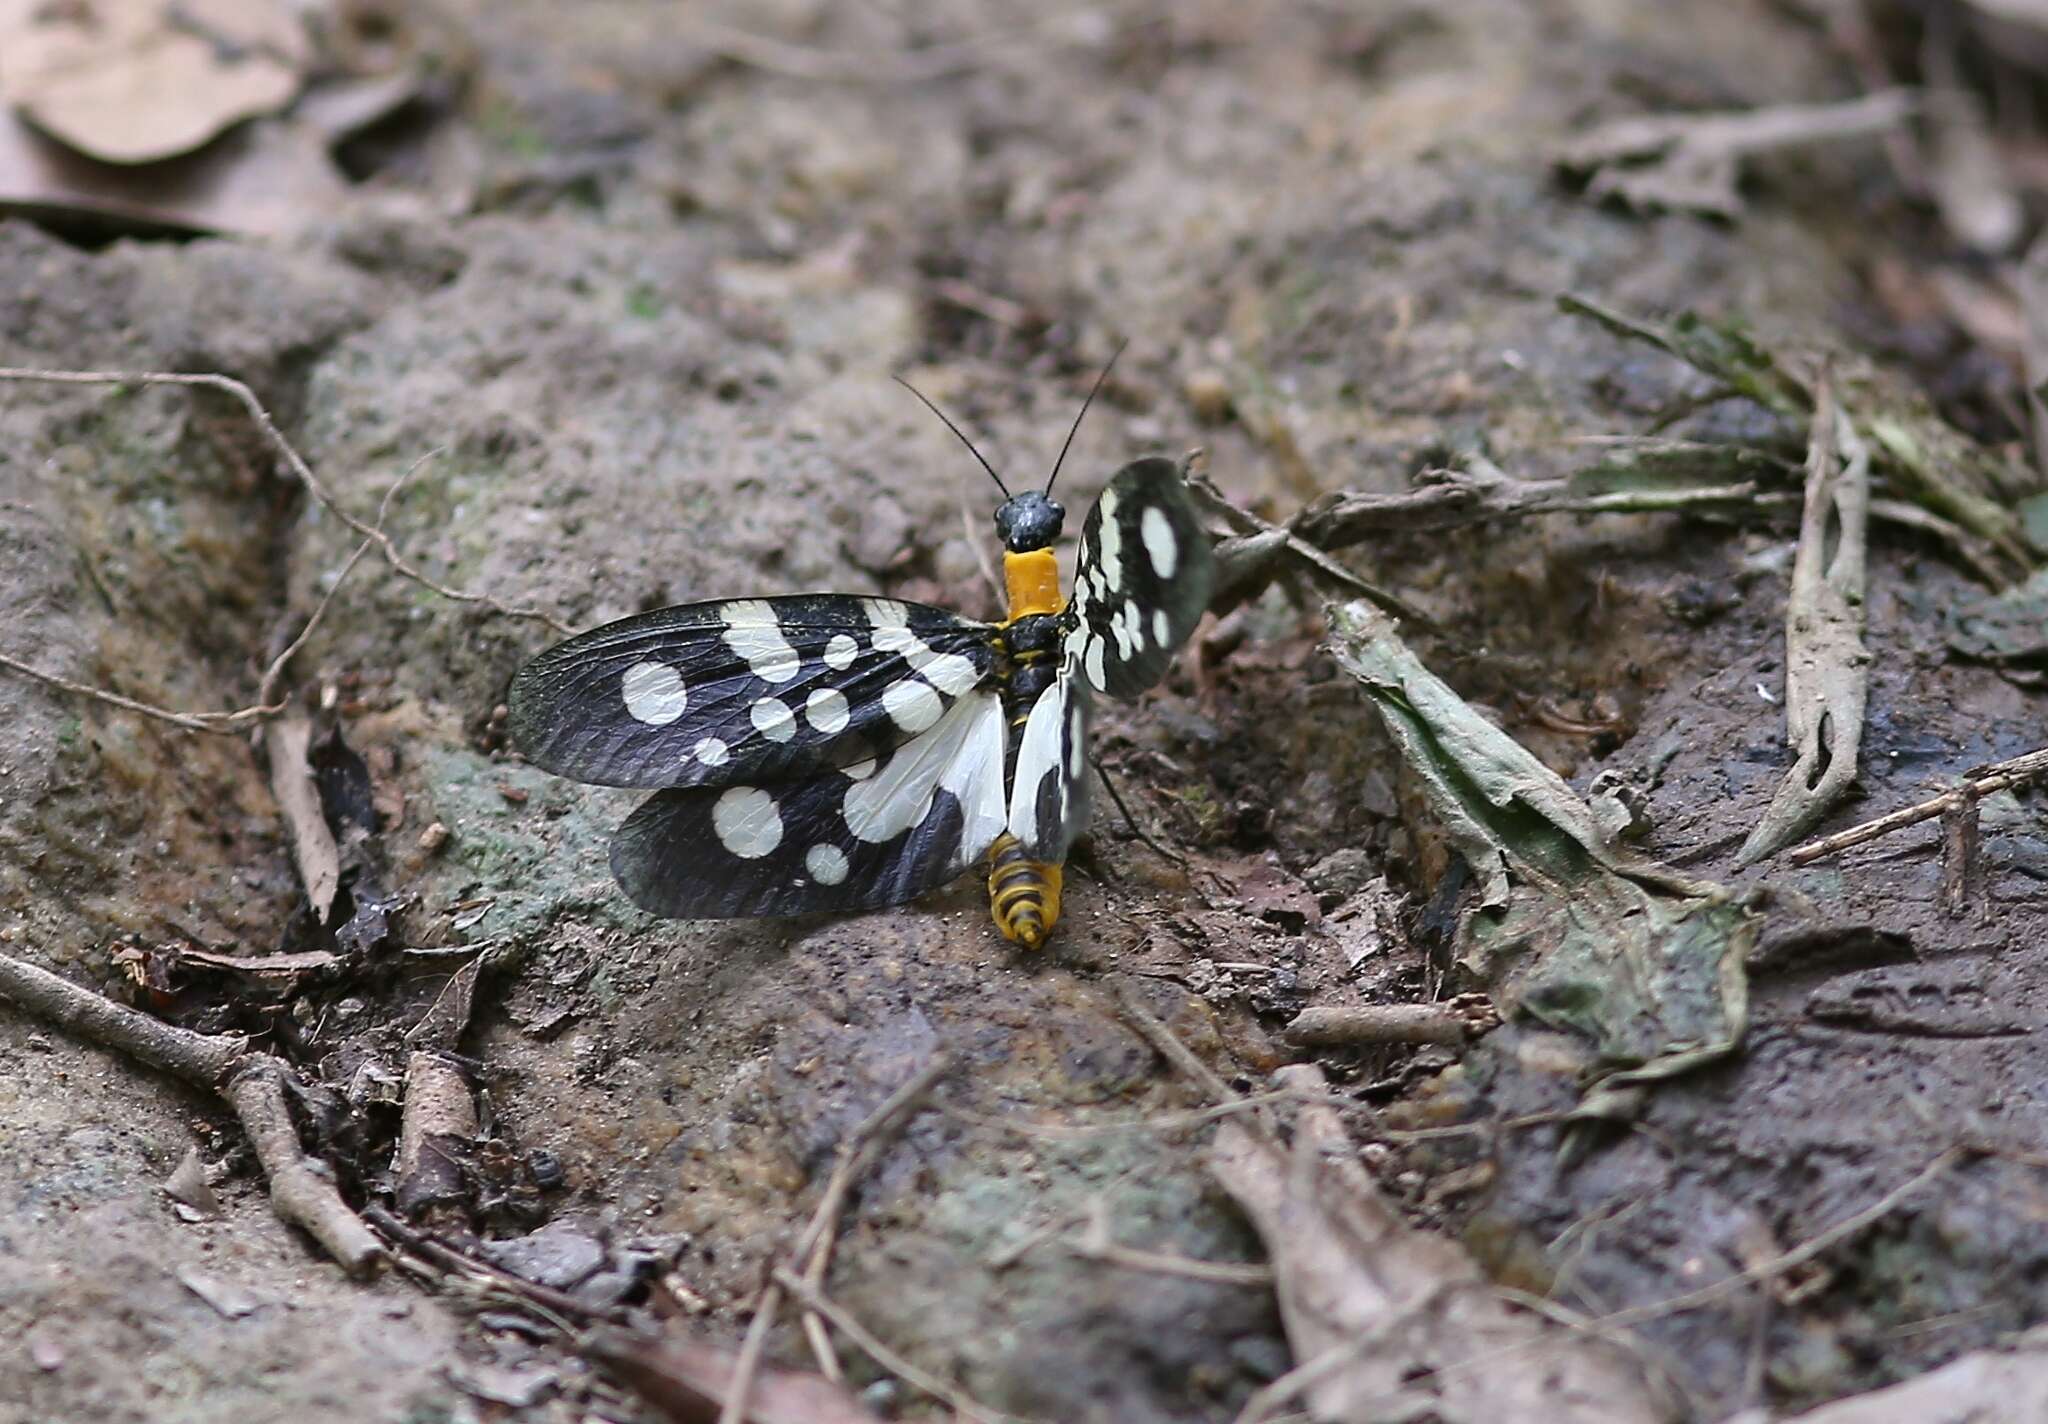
<point x="1029" y="521"/>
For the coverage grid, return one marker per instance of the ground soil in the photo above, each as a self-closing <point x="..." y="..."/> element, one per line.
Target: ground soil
<point x="637" y="303"/>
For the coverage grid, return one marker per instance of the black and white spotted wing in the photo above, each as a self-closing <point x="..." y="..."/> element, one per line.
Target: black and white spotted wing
<point x="745" y="690"/>
<point x="1144" y="577"/>
<point x="1049" y="785"/>
<point x="872" y="834"/>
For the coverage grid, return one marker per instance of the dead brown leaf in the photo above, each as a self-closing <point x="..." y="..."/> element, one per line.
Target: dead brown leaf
<point x="1389" y="1322"/>
<point x="262" y="180"/>
<point x="1692" y="162"/>
<point x="136" y="81"/>
<point x="687" y="1380"/>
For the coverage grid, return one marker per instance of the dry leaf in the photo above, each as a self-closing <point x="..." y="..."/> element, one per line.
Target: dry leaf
<point x="1390" y="1322"/>
<point x="266" y="179"/>
<point x="137" y="81"/>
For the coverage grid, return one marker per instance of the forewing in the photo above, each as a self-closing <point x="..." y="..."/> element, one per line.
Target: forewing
<point x="1144" y="577"/>
<point x="1049" y="786"/>
<point x="851" y="839"/>
<point x="744" y="690"/>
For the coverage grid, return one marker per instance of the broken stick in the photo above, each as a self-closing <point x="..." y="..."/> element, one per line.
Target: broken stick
<point x="2001" y="776"/>
<point x="301" y="1191"/>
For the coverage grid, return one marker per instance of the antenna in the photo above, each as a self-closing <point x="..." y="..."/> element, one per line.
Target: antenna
<point x="1075" y="428"/>
<point x="957" y="431"/>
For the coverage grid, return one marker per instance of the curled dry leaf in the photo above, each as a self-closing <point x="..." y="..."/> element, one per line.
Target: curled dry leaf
<point x="137" y="81"/>
<point x="266" y="179"/>
<point x="1389" y="1322"/>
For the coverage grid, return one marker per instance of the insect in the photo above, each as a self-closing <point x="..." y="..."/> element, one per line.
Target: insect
<point x="837" y="752"/>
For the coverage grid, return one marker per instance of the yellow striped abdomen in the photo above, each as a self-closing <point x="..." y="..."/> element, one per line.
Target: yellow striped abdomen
<point x="1023" y="894"/>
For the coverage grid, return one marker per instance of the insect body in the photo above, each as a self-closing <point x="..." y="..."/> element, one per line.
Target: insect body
<point x="818" y="752"/>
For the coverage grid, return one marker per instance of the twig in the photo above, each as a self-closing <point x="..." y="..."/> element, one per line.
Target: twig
<point x="301" y="1192"/>
<point x="1827" y="667"/>
<point x="1250" y="556"/>
<point x="266" y="690"/>
<point x="891" y="66"/>
<point x="439" y="1109"/>
<point x="216" y="722"/>
<point x="562" y="1311"/>
<point x="252" y="1083"/>
<point x="1380" y="1023"/>
<point x="1117" y="797"/>
<point x="1691" y="161"/>
<point x="203" y="1060"/>
<point x="267" y="704"/>
<point x="1985" y="781"/>
<point x="1793" y="1259"/>
<point x="1169" y="1047"/>
<point x="855" y="1153"/>
<point x="298" y="799"/>
<point x="948" y="1394"/>
<point x="299" y="468"/>
<point x="1094" y="1243"/>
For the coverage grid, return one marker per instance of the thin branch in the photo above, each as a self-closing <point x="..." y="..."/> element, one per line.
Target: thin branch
<point x="1827" y="666"/>
<point x="855" y="1154"/>
<point x="266" y="690"/>
<point x="873" y="66"/>
<point x="301" y="1190"/>
<point x="1094" y="1244"/>
<point x="1793" y="1259"/>
<point x="200" y="1059"/>
<point x="214" y="722"/>
<point x="947" y="1393"/>
<point x="1446" y="1023"/>
<point x="1116" y="796"/>
<point x="2000" y="776"/>
<point x="299" y="468"/>
<point x="267" y="703"/>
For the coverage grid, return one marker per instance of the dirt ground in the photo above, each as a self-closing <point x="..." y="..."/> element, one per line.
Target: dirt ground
<point x="629" y="294"/>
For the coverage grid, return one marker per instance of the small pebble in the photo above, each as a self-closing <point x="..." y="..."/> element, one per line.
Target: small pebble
<point x="1208" y="395"/>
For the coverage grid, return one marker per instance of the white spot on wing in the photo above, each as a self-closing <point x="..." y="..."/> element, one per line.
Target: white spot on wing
<point x="773" y="719"/>
<point x="1162" y="630"/>
<point x="711" y="751"/>
<point x="860" y="770"/>
<point x="1135" y="622"/>
<point x="975" y="777"/>
<point x="752" y="632"/>
<point x="654" y="693"/>
<point x="885" y="805"/>
<point x="1160" y="545"/>
<point x="840" y="652"/>
<point x="954" y="674"/>
<point x="1038" y="755"/>
<point x="896" y="638"/>
<point x="1109" y="549"/>
<point x="826" y="707"/>
<point x="913" y="704"/>
<point x="1091" y="664"/>
<point x="747" y="822"/>
<point x="826" y="863"/>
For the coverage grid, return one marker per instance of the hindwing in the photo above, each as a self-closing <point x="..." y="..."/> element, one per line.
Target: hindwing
<point x="868" y="835"/>
<point x="744" y="690"/>
<point x="1143" y="579"/>
<point x="1049" y="784"/>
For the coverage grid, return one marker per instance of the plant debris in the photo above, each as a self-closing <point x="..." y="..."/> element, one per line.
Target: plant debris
<point x="1692" y="162"/>
<point x="1827" y="667"/>
<point x="1390" y="1322"/>
<point x="135" y="81"/>
<point x="1571" y="928"/>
